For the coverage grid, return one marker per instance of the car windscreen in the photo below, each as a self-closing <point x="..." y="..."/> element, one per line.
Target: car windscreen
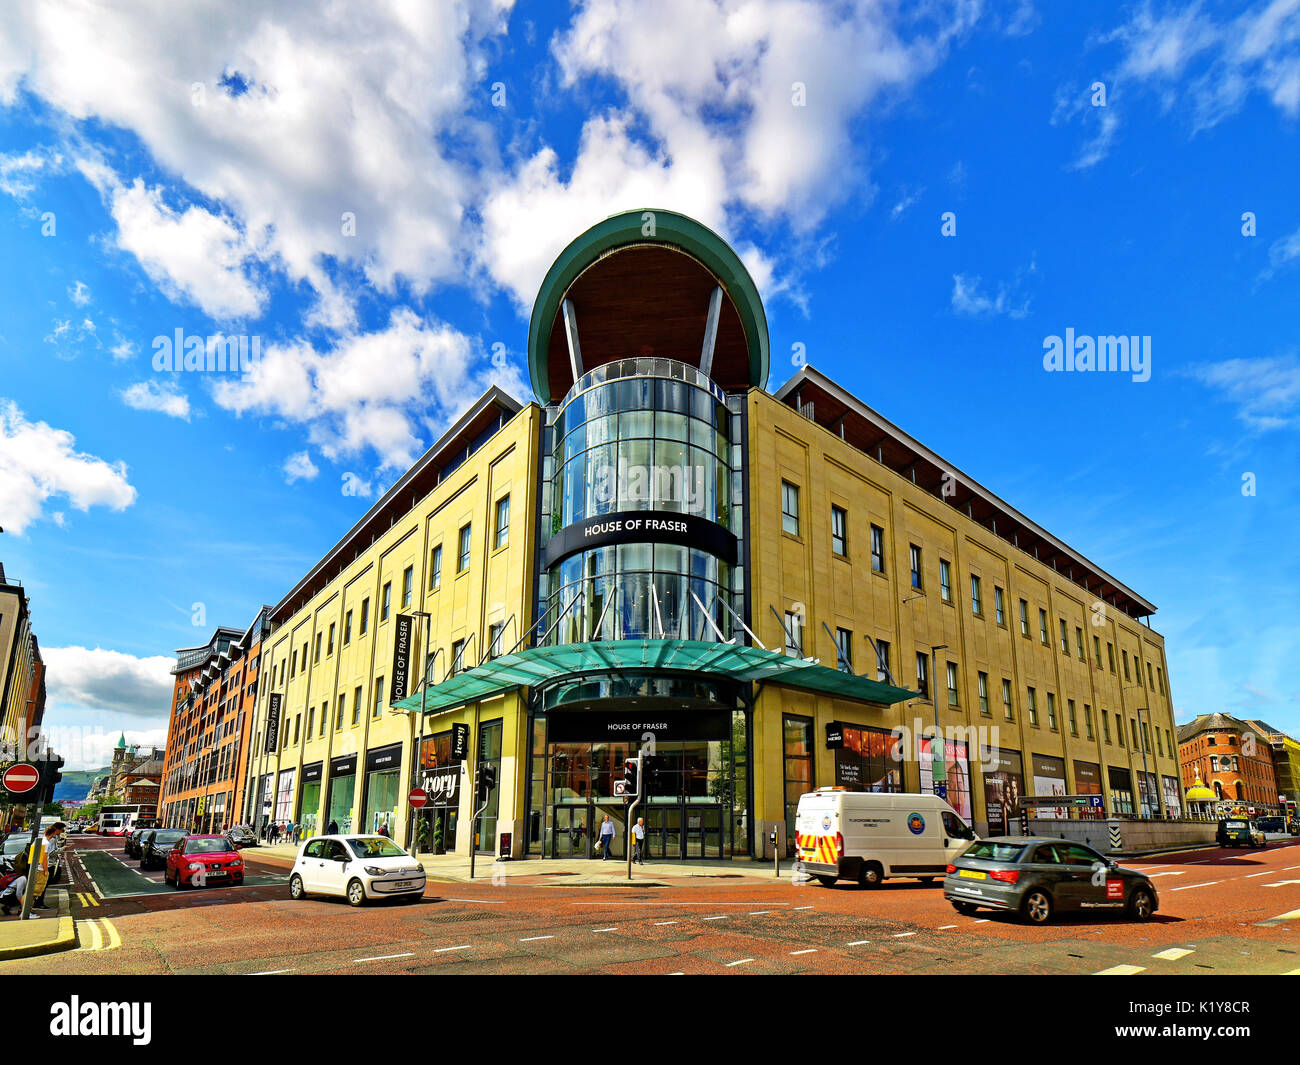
<point x="375" y="847"/>
<point x="994" y="852"/>
<point x="207" y="846"/>
<point x="167" y="837"/>
<point x="1234" y="824"/>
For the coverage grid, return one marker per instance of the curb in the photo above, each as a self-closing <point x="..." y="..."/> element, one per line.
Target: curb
<point x="64" y="938"/>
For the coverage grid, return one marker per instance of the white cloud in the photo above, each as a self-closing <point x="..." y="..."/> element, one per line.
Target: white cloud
<point x="299" y="467"/>
<point x="79" y="293"/>
<point x="166" y="398"/>
<point x="370" y="390"/>
<point x="38" y="462"/>
<point x="20" y="172"/>
<point x="1266" y="391"/>
<point x="282" y="119"/>
<point x="90" y="746"/>
<point x="969" y="300"/>
<point x="99" y="679"/>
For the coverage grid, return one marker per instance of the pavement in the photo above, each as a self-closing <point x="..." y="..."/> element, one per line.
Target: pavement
<point x="45" y="932"/>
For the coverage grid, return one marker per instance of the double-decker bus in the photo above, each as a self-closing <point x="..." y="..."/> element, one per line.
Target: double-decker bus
<point x="119" y="820"/>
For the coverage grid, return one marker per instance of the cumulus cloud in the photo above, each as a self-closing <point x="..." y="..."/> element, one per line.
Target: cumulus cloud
<point x="99" y="679"/>
<point x="166" y="398"/>
<point x="299" y="467"/>
<point x="369" y="390"/>
<point x="1265" y="391"/>
<point x="39" y="463"/>
<point x="79" y="293"/>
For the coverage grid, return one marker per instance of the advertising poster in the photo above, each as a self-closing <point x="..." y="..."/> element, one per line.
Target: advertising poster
<point x="1049" y="779"/>
<point x="865" y="760"/>
<point x="1003" y="786"/>
<point x="957" y="774"/>
<point x="1087" y="781"/>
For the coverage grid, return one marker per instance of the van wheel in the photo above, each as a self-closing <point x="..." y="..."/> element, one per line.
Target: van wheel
<point x="870" y="874"/>
<point x="1141" y="906"/>
<point x="824" y="880"/>
<point x="1036" y="907"/>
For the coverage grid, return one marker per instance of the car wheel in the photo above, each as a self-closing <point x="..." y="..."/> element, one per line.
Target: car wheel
<point x="296" y="890"/>
<point x="356" y="893"/>
<point x="180" y="884"/>
<point x="870" y="874"/>
<point x="966" y="909"/>
<point x="1036" y="907"/>
<point x="824" y="880"/>
<point x="1141" y="906"/>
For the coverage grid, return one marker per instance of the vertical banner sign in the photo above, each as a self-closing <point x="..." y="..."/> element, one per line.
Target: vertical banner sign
<point x="273" y="724"/>
<point x="459" y="742"/>
<point x="398" y="689"/>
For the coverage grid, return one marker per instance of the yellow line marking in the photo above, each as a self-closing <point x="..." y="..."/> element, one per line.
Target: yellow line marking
<point x="96" y="940"/>
<point x="114" y="939"/>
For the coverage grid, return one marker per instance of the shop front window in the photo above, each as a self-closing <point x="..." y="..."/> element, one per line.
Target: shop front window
<point x="797" y="764"/>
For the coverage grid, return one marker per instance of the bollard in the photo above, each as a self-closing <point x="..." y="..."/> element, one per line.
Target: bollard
<point x="776" y="855"/>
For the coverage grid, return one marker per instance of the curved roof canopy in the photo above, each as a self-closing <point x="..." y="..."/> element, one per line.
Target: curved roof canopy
<point x="640" y="283"/>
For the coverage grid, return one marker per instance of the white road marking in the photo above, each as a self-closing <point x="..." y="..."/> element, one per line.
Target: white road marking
<point x="614" y="929"/>
<point x="1266" y="872"/>
<point x="718" y="917"/>
<point x="810" y="950"/>
<point x="1188" y="887"/>
<point x="444" y="950"/>
<point x="1121" y="970"/>
<point x="534" y="939"/>
<point x="982" y="920"/>
<point x="900" y="935"/>
<point x="665" y="922"/>
<point x="1281" y="883"/>
<point x="680" y="902"/>
<point x="758" y="913"/>
<point x="803" y="907"/>
<point x="1179" y="872"/>
<point x="857" y="942"/>
<point x="742" y="961"/>
<point x="1172" y="954"/>
<point x="273" y="972"/>
<point x="945" y="927"/>
<point x="386" y="957"/>
<point x="481" y="902"/>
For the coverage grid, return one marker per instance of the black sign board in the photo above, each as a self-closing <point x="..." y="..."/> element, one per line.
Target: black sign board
<point x="273" y="724"/>
<point x="834" y="736"/>
<point x="398" y="689"/>
<point x="577" y="726"/>
<point x="459" y="742"/>
<point x="641" y="527"/>
<point x="380" y="758"/>
<point x="343" y="766"/>
<point x="442" y="784"/>
<point x="311" y="772"/>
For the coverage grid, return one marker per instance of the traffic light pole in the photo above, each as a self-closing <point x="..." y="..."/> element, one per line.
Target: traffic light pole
<point x="635" y="802"/>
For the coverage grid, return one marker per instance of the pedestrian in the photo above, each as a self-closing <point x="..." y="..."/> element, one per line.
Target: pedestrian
<point x="606" y="838"/>
<point x="383" y="828"/>
<point x="332" y="828"/>
<point x="638" y="841"/>
<point x="54" y="843"/>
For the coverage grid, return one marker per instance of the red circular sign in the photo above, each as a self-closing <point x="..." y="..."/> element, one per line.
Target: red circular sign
<point x="21" y="778"/>
<point x="418" y="797"/>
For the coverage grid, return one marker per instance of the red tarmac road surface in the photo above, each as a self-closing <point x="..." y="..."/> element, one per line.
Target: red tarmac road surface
<point x="1223" y="912"/>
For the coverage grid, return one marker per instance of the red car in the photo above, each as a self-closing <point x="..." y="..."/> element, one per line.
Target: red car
<point x="204" y="861"/>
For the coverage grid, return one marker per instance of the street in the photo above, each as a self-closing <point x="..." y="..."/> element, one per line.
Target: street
<point x="1221" y="912"/>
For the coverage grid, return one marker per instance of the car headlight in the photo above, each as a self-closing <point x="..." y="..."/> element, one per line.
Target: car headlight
<point x="374" y="870"/>
<point x="195" y="867"/>
<point x="420" y="866"/>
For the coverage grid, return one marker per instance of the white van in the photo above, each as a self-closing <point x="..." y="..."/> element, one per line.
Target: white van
<point x="871" y="836"/>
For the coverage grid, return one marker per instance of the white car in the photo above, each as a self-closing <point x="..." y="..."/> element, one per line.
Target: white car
<point x="356" y="867"/>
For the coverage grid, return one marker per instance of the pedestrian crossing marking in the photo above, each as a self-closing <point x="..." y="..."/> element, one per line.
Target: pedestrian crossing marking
<point x="1172" y="954"/>
<point x="1121" y="970"/>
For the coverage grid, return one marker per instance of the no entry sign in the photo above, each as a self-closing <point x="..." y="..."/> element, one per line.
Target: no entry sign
<point x="21" y="778"/>
<point x="418" y="797"/>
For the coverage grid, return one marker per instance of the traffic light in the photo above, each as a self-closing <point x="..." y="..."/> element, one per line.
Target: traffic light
<point x="631" y="778"/>
<point x="53" y="774"/>
<point x="487" y="780"/>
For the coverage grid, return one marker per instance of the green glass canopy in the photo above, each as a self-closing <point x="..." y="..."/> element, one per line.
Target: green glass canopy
<point x="538" y="665"/>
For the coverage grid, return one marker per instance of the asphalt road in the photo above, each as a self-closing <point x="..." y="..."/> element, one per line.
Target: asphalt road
<point x="1222" y="912"/>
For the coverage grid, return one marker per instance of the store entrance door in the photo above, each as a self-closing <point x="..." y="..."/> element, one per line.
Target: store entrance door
<point x="703" y="837"/>
<point x="663" y="833"/>
<point x="570" y="837"/>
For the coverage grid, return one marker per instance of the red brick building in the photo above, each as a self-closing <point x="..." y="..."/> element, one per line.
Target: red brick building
<point x="1231" y="757"/>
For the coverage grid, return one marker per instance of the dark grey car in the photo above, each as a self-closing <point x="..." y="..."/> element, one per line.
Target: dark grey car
<point x="1039" y="877"/>
<point x="155" y="845"/>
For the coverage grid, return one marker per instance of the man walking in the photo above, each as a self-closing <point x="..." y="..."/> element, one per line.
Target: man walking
<point x="638" y="841"/>
<point x="606" y="838"/>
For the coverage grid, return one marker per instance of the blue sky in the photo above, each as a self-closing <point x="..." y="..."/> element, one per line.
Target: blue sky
<point x="376" y="199"/>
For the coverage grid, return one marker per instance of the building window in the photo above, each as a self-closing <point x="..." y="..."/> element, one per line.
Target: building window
<point x="1065" y="638"/>
<point x="357" y="699"/>
<point x="976" y="603"/>
<point x="1033" y="707"/>
<point x="945" y="580"/>
<point x="365" y="615"/>
<point x="1150" y="680"/>
<point x="1087" y="720"/>
<point x="1110" y="655"/>
<point x="435" y="568"/>
<point x="1119" y="729"/>
<point x="462" y="559"/>
<point x="1105" y="725"/>
<point x="789" y="508"/>
<point x="793" y="635"/>
<point x="385" y="601"/>
<point x="1024" y="618"/>
<point x="347" y="628"/>
<point x="999" y="606"/>
<point x="952" y="684"/>
<point x="923" y="674"/>
<point x="329" y="644"/>
<point x="1169" y="742"/>
<point x="1078" y="641"/>
<point x="839" y="531"/>
<point x="915" y="554"/>
<point x="457" y="654"/>
<point x="844" y="645"/>
<point x="1134" y="726"/>
<point x="339" y="710"/>
<point x="1051" y="711"/>
<point x="1007" y="709"/>
<point x="311" y="720"/>
<point x="316" y="653"/>
<point x="494" y="638"/>
<point x="1096" y="650"/>
<point x="984" y="693"/>
<point x="297" y="727"/>
<point x="408" y="580"/>
<point x="1124" y="657"/>
<point x="1160" y="680"/>
<point x="501" y="534"/>
<point x="379" y="698"/>
<point x="1160" y="747"/>
<point x="797" y="762"/>
<point x="1042" y="627"/>
<point x="293" y="665"/>
<point x="883" y="672"/>
<point x="878" y="549"/>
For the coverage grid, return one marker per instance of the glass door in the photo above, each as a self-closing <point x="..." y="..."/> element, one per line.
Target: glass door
<point x="570" y="835"/>
<point x="663" y="833"/>
<point x="703" y="832"/>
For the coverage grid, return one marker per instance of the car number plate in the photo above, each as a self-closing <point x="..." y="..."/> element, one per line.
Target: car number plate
<point x="216" y="872"/>
<point x="403" y="883"/>
<point x="973" y="874"/>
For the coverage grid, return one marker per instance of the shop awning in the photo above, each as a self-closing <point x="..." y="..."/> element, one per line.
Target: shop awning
<point x="538" y="665"/>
